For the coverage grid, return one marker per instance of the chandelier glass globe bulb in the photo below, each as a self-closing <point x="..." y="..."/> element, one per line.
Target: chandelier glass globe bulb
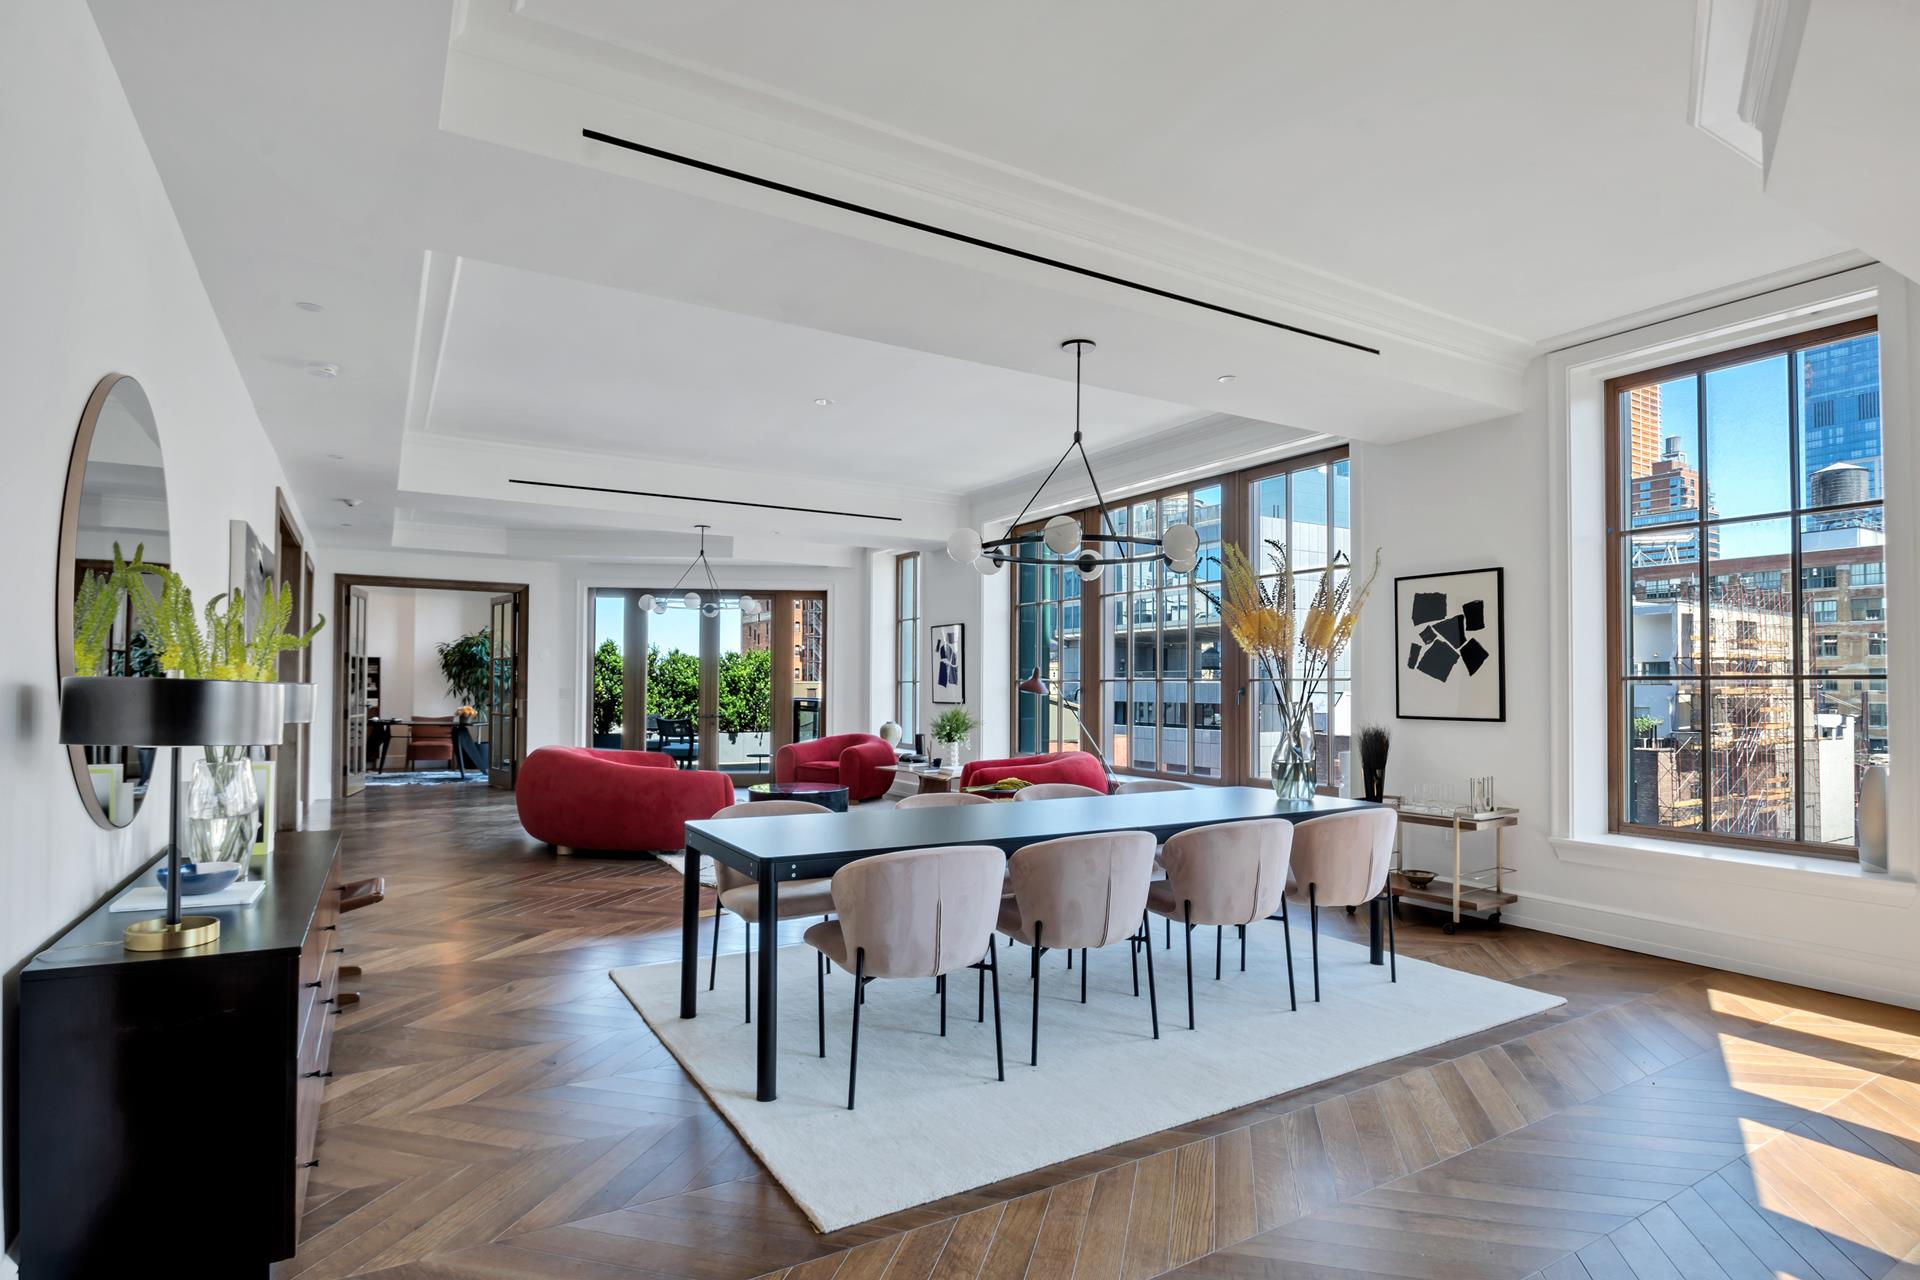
<point x="1181" y="543"/>
<point x="964" y="546"/>
<point x="645" y="602"/>
<point x="1087" y="565"/>
<point x="691" y="600"/>
<point x="710" y="610"/>
<point x="1062" y="535"/>
<point x="986" y="566"/>
<point x="660" y="607"/>
<point x="749" y="605"/>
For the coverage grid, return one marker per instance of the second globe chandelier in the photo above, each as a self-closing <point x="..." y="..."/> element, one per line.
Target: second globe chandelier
<point x="710" y="606"/>
<point x="1178" y="546"/>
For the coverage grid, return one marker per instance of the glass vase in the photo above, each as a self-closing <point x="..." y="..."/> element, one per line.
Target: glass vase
<point x="1294" y="763"/>
<point x="223" y="808"/>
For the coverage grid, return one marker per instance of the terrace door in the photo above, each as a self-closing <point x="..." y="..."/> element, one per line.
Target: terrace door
<point x="505" y="693"/>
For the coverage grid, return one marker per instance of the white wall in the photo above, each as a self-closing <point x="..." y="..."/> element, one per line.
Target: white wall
<point x="95" y="277"/>
<point x="1485" y="495"/>
<point x="405" y="628"/>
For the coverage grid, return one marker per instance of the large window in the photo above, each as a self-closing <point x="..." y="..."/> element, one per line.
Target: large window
<point x="1168" y="694"/>
<point x="1747" y="611"/>
<point x="906" y="643"/>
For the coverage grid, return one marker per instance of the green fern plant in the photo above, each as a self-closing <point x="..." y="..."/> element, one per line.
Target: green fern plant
<point x="213" y="644"/>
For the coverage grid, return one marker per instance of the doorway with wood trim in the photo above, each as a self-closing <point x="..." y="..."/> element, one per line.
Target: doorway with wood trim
<point x="430" y="682"/>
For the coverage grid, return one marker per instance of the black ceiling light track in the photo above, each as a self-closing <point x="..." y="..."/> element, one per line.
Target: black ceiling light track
<point x="961" y="237"/>
<point x="688" y="497"/>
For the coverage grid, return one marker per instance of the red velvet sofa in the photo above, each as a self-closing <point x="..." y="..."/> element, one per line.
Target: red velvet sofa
<point x="854" y="760"/>
<point x="633" y="801"/>
<point x="1058" y="766"/>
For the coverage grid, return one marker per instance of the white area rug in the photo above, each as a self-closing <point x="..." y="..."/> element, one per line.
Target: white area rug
<point x="933" y="1121"/>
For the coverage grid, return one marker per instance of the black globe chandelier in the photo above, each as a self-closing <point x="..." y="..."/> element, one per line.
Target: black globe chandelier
<point x="1178" y="547"/>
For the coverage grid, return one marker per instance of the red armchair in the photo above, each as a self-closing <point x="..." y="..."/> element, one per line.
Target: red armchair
<point x="1057" y="766"/>
<point x="854" y="760"/>
<point x="638" y="801"/>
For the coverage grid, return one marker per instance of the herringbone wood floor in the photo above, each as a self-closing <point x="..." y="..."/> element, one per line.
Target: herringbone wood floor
<point x="498" y="1110"/>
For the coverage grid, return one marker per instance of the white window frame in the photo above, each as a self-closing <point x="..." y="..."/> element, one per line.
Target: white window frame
<point x="1577" y="652"/>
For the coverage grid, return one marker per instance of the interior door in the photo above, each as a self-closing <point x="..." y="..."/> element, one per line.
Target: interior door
<point x="354" y="679"/>
<point x="504" y="696"/>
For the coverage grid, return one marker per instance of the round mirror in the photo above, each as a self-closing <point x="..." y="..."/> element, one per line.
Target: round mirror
<point x="116" y="496"/>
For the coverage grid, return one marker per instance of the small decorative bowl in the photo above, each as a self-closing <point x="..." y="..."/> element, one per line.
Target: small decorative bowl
<point x="1418" y="879"/>
<point x="200" y="879"/>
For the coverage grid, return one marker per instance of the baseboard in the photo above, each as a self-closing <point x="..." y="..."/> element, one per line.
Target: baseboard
<point x="1781" y="960"/>
<point x="319" y="815"/>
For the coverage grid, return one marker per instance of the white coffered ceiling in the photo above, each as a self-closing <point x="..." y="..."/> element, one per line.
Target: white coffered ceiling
<point x="1450" y="186"/>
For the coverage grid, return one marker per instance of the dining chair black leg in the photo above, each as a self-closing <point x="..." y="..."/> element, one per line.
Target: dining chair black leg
<point x="943" y="1004"/>
<point x="1286" y="939"/>
<point x="1133" y="953"/>
<point x="1069" y="959"/>
<point x="1243" y="948"/>
<point x="860" y="988"/>
<point x="713" y="965"/>
<point x="1033" y="1057"/>
<point x="1083" y="975"/>
<point x="1393" y="951"/>
<point x="823" y="955"/>
<point x="1313" y="926"/>
<point x="820" y="983"/>
<point x="1169" y="945"/>
<point x="999" y="1053"/>
<point x="1153" y="998"/>
<point x="1217" y="931"/>
<point x="981" y="1014"/>
<point x="1187" y="907"/>
<point x="746" y="973"/>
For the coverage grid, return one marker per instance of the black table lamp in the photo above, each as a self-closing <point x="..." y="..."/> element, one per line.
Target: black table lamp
<point x="120" y="711"/>
<point x="1036" y="685"/>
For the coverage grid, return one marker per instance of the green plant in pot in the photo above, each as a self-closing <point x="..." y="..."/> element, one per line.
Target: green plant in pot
<point x="222" y="802"/>
<point x="952" y="728"/>
<point x="466" y="663"/>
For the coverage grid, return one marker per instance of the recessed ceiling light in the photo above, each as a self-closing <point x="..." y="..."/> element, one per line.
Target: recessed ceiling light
<point x="353" y="502"/>
<point x="338" y="457"/>
<point x="823" y="402"/>
<point x="309" y="306"/>
<point x="1225" y="377"/>
<point x="324" y="370"/>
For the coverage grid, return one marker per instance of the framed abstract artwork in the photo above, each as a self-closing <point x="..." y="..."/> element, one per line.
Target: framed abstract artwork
<point x="948" y="653"/>
<point x="1449" y="634"/>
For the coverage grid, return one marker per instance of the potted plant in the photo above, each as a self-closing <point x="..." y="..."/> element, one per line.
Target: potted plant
<point x="466" y="664"/>
<point x="222" y="800"/>
<point x="952" y="728"/>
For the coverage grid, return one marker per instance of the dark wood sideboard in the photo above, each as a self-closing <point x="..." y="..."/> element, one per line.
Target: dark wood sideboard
<point x="169" y="1101"/>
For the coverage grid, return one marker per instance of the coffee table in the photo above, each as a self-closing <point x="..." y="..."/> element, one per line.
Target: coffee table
<point x="828" y="795"/>
<point x="930" y="779"/>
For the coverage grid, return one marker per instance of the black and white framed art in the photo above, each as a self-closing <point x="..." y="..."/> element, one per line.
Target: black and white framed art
<point x="1450" y="638"/>
<point x="949" y="655"/>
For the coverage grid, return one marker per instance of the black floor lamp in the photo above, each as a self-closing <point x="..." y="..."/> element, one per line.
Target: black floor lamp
<point x="129" y="712"/>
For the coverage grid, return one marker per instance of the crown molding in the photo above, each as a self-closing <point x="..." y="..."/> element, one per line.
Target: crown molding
<point x="683" y="106"/>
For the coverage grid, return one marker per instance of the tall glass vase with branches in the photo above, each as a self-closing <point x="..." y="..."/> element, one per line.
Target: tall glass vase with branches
<point x="1296" y="652"/>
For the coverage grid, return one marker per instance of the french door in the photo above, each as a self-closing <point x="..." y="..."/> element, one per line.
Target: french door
<point x="354" y="680"/>
<point x="723" y="690"/>
<point x="506" y="693"/>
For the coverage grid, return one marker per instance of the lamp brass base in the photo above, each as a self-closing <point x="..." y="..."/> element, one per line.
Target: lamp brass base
<point x="158" y="935"/>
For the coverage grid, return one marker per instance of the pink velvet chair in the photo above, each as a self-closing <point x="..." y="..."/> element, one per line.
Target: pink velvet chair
<point x="793" y="898"/>
<point x="1231" y="873"/>
<point x="940" y="800"/>
<point x="856" y="761"/>
<point x="922" y="913"/>
<point x="1057" y="791"/>
<point x="1081" y="893"/>
<point x="1343" y="860"/>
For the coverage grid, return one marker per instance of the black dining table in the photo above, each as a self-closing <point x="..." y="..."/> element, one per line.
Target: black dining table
<point x="805" y="846"/>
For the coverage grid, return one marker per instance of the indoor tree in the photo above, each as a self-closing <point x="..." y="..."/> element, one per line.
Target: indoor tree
<point x="466" y="664"/>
